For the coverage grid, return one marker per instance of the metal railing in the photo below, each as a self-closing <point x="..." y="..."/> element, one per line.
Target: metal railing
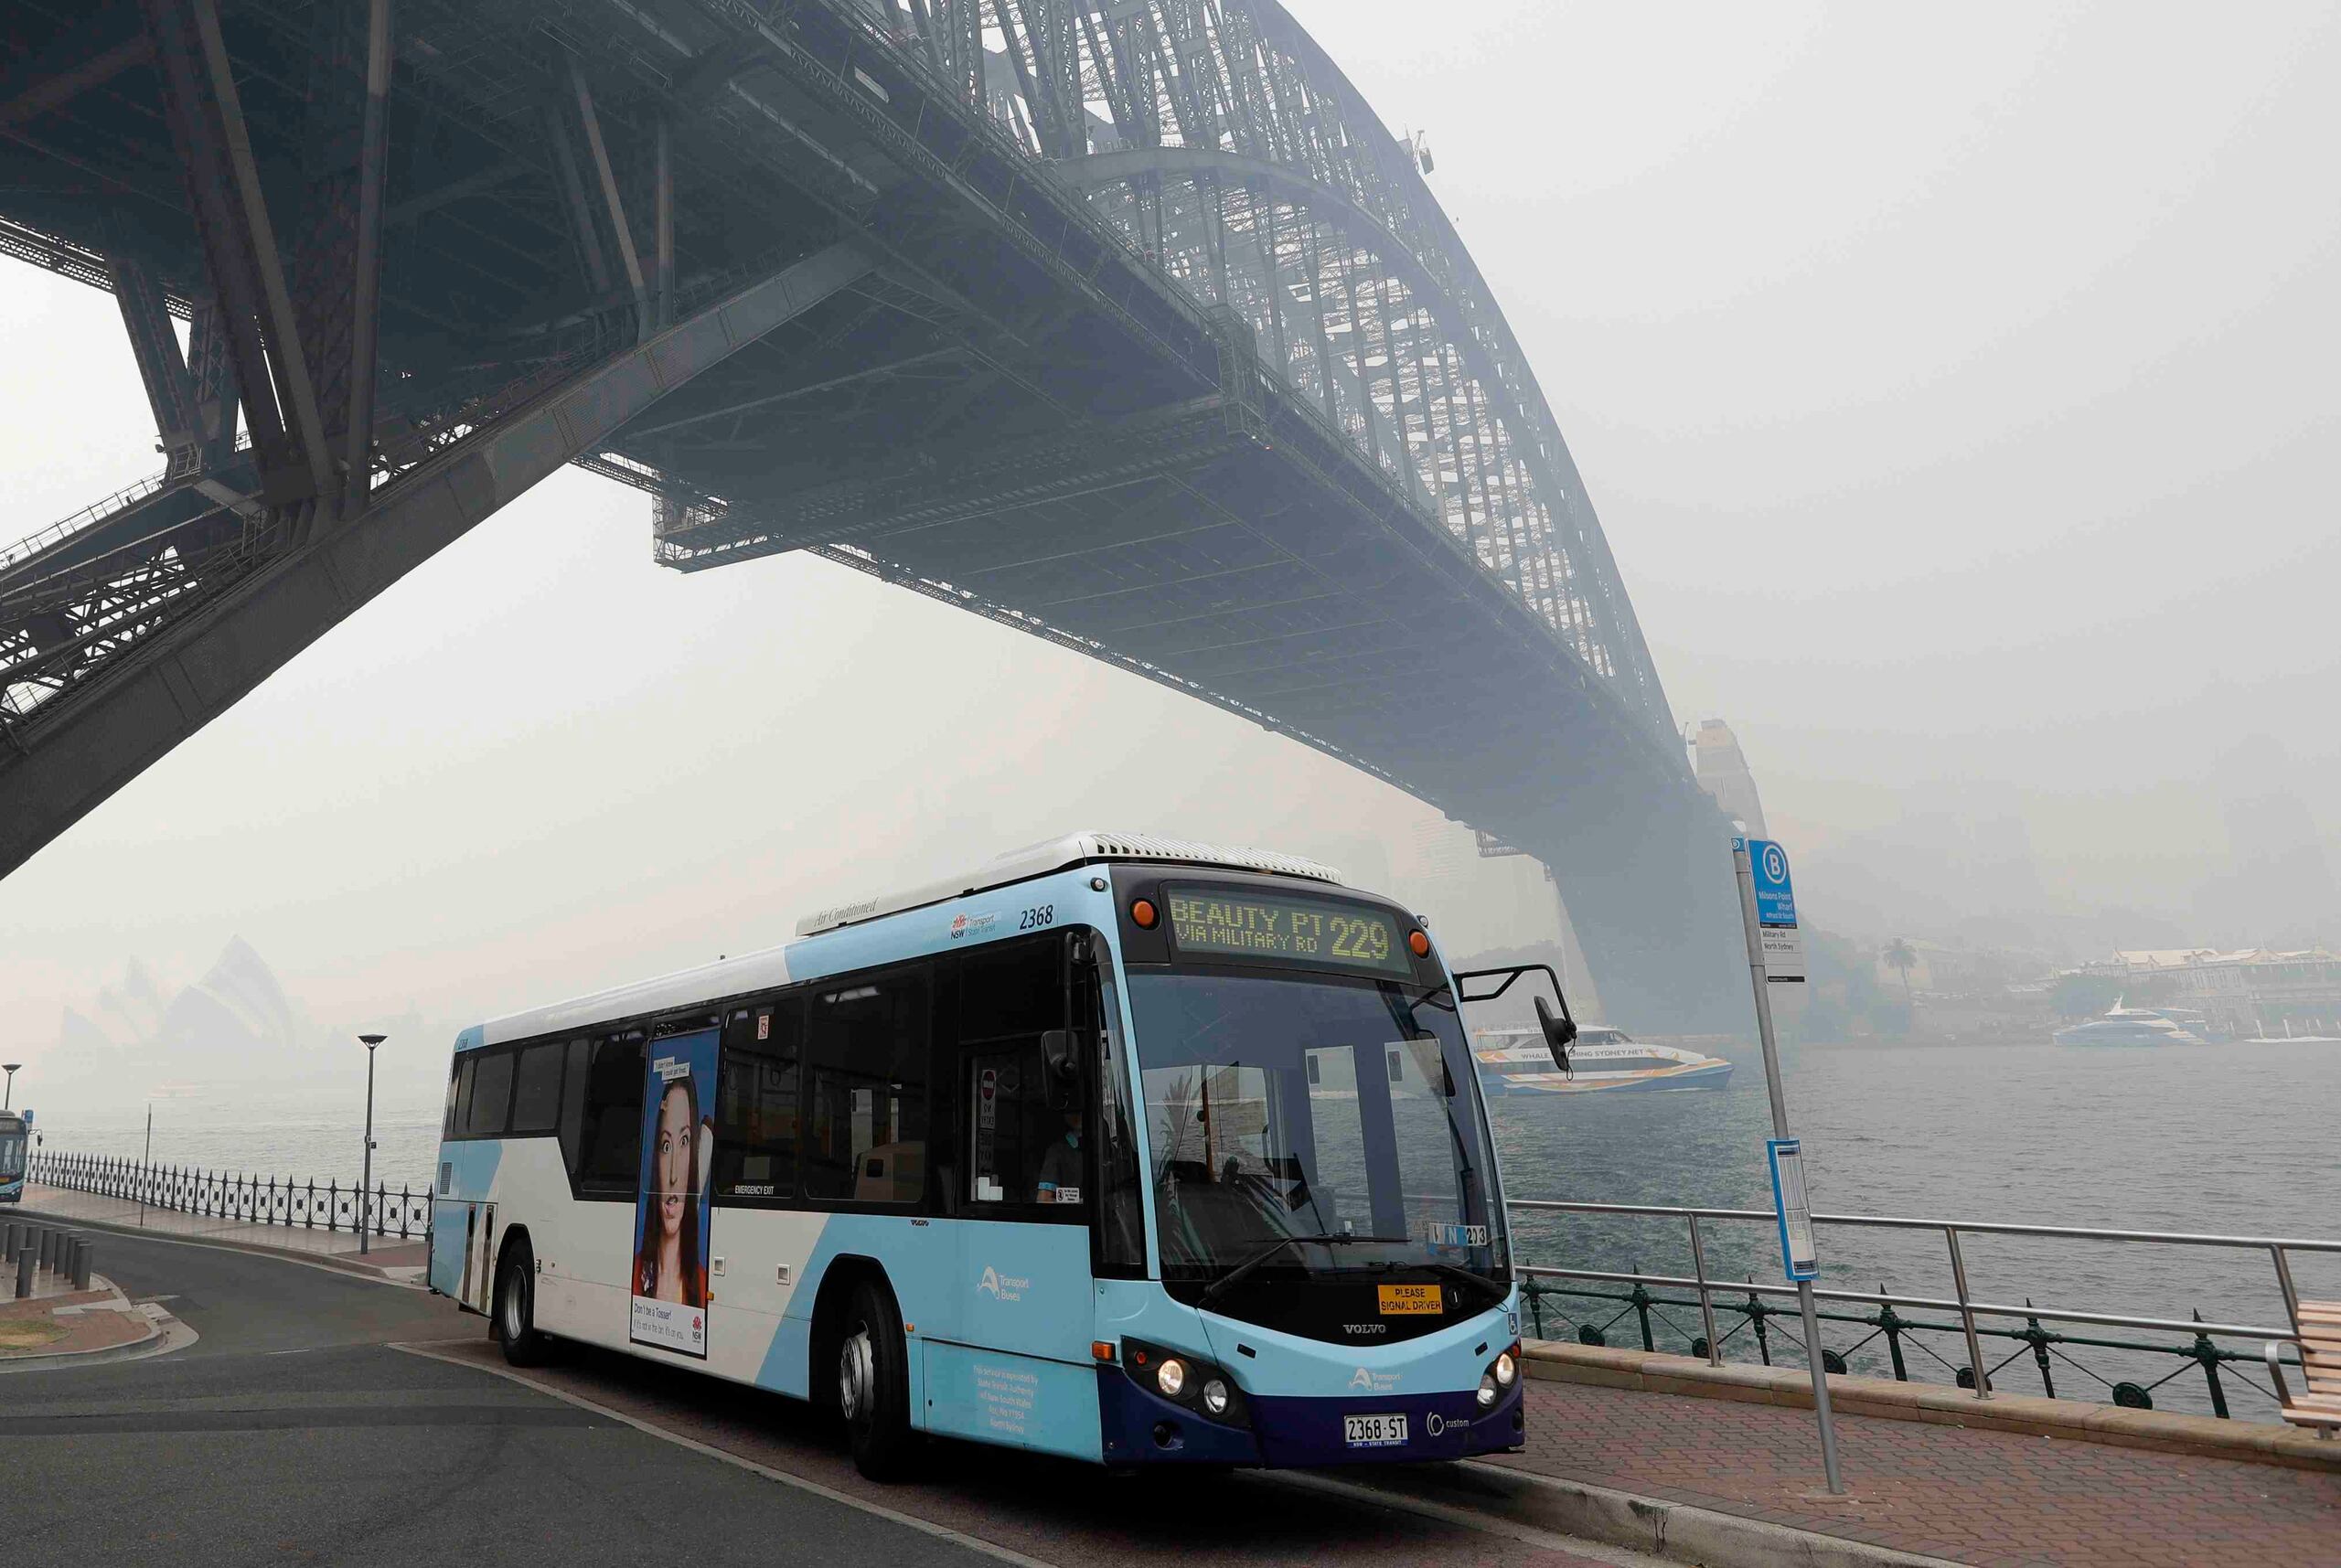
<point x="97" y="511"/>
<point x="1972" y="1320"/>
<point x="403" y="1212"/>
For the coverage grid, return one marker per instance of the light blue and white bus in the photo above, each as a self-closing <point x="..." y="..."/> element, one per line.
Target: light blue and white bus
<point x="16" y="1139"/>
<point x="1124" y="1149"/>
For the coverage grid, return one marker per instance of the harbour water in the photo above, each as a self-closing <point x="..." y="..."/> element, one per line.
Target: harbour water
<point x="293" y="1140"/>
<point x="2237" y="1139"/>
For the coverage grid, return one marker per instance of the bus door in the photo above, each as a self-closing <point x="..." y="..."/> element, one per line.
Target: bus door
<point x="1015" y="1367"/>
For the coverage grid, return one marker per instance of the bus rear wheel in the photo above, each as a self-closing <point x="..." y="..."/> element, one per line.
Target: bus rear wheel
<point x="524" y="1345"/>
<point x="873" y="1384"/>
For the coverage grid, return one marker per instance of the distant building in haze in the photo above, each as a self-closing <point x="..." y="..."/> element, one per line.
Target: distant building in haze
<point x="1723" y="773"/>
<point x="2255" y="991"/>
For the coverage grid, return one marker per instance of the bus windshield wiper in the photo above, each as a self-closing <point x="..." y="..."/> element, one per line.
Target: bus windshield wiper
<point x="1220" y="1286"/>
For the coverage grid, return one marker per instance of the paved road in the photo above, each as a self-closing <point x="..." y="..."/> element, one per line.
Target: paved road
<point x="293" y="1430"/>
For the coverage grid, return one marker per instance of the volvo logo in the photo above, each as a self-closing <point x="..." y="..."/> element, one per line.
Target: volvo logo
<point x="1366" y="1328"/>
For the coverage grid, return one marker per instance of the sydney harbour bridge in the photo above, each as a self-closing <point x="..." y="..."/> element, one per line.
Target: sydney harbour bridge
<point x="1123" y="323"/>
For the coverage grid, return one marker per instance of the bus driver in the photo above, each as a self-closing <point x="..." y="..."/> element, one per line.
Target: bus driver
<point x="1061" y="1165"/>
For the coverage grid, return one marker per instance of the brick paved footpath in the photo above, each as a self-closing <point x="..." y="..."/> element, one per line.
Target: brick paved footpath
<point x="1986" y="1497"/>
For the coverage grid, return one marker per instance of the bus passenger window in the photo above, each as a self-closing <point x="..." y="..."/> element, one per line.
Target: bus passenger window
<point x="536" y="1098"/>
<point x="491" y="1094"/>
<point x="572" y="1100"/>
<point x="609" y="1142"/>
<point x="865" y="1089"/>
<point x="756" y="1101"/>
<point x="459" y="1081"/>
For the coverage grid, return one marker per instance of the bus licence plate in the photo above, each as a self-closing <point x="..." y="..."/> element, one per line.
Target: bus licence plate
<point x="1374" y="1431"/>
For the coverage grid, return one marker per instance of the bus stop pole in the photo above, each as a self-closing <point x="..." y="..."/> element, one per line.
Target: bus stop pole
<point x="1745" y="875"/>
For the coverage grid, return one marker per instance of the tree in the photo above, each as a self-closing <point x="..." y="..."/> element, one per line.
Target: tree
<point x="1901" y="958"/>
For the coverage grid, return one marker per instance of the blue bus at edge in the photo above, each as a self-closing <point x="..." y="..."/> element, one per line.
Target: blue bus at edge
<point x="1127" y="1149"/>
<point x="15" y="1145"/>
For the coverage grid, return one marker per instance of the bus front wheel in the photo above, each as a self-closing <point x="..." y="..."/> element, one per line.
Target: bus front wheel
<point x="873" y="1384"/>
<point x="516" y="1307"/>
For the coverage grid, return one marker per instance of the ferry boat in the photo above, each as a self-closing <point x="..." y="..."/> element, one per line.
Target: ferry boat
<point x="1517" y="1061"/>
<point x="2132" y="1026"/>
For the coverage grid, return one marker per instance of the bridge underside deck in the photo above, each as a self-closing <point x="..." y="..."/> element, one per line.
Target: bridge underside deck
<point x="842" y="276"/>
<point x="1209" y="549"/>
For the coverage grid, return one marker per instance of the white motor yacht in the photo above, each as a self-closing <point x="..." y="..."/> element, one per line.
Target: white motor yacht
<point x="2130" y="1026"/>
<point x="1516" y="1061"/>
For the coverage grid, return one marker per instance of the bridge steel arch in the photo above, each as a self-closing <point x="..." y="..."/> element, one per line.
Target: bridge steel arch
<point x="1228" y="146"/>
<point x="1123" y="323"/>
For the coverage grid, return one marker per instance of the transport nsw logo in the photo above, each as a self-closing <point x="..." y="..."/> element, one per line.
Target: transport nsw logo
<point x="1002" y="1287"/>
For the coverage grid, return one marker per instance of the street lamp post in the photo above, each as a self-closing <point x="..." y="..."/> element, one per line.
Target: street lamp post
<point x="10" y="1068"/>
<point x="366" y="1182"/>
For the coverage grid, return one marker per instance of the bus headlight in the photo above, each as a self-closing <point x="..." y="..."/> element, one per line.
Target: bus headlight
<point x="1488" y="1391"/>
<point x="1506" y="1370"/>
<point x="1205" y="1387"/>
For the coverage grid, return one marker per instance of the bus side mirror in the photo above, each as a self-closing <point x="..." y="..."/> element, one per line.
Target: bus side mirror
<point x="1059" y="1068"/>
<point x="1558" y="1032"/>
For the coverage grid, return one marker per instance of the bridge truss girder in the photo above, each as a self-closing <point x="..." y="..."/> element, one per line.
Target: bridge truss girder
<point x="210" y="625"/>
<point x="1149" y="310"/>
<point x="1226" y="143"/>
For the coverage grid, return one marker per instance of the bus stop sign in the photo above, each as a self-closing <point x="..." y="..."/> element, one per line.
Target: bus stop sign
<point x="1783" y="943"/>
<point x="1774" y="894"/>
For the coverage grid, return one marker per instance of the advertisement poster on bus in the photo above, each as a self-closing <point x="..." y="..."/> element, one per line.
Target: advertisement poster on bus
<point x="671" y="1212"/>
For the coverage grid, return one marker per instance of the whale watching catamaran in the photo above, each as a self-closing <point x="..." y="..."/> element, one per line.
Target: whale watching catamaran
<point x="1516" y="1061"/>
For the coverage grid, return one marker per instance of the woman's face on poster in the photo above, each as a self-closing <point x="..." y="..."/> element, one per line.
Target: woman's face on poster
<point x="673" y="1160"/>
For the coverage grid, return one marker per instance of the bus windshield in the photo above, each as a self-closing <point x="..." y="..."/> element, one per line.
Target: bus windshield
<point x="12" y="1148"/>
<point x="1319" y="1122"/>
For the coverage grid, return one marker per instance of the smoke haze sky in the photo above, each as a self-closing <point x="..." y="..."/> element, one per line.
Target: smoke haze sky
<point x="1955" y="387"/>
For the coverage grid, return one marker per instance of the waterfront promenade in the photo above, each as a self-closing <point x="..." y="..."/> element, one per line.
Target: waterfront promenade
<point x="334" y="1366"/>
<point x="398" y="1261"/>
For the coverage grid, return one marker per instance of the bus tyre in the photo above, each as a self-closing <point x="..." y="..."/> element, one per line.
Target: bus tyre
<point x="516" y="1307"/>
<point x="873" y="1384"/>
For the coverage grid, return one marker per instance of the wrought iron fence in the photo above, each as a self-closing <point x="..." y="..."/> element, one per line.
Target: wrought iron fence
<point x="403" y="1212"/>
<point x="1592" y="1315"/>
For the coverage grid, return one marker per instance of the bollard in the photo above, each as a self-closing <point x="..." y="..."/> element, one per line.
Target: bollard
<point x="10" y="1233"/>
<point x="24" y="1260"/>
<point x="69" y="1255"/>
<point x="45" y="1249"/>
<point x="1892" y="1323"/>
<point x="84" y="1259"/>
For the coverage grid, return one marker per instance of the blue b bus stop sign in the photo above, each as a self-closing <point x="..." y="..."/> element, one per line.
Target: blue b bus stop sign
<point x="1775" y="895"/>
<point x="1782" y="945"/>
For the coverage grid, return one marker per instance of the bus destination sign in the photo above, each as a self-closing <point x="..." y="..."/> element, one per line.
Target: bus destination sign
<point x="1294" y="931"/>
